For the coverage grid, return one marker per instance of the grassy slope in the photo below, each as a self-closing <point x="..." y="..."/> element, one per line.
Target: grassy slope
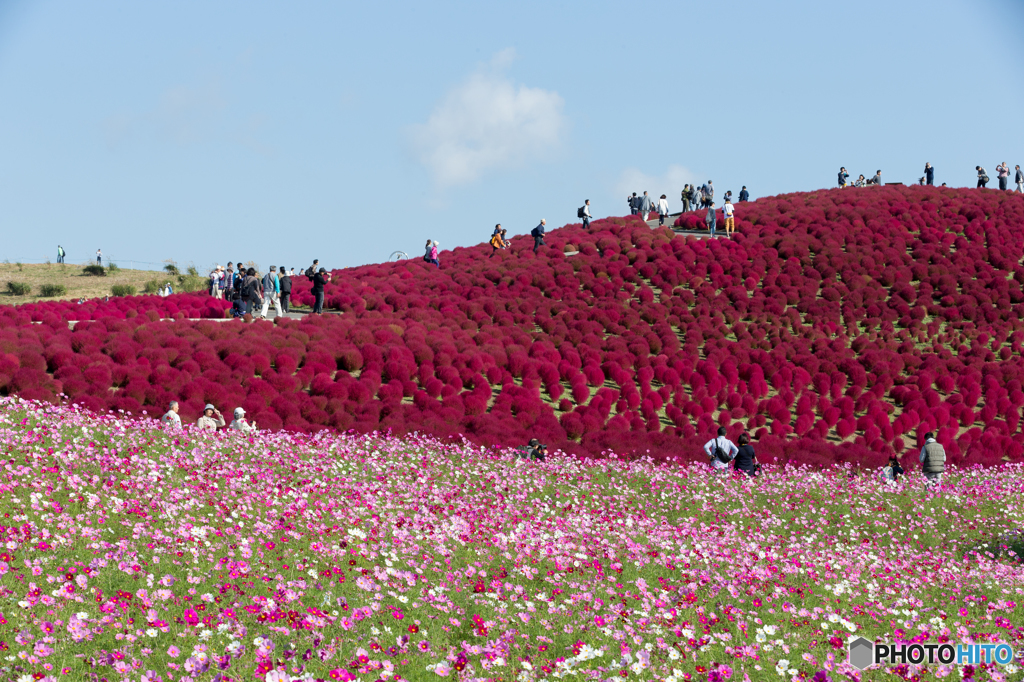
<point x="79" y="285"/>
<point x="791" y="550"/>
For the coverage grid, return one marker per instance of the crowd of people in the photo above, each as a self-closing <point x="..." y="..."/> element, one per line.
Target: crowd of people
<point x="1002" y="176"/>
<point x="253" y="294"/>
<point x="211" y="419"/>
<point x="722" y="452"/>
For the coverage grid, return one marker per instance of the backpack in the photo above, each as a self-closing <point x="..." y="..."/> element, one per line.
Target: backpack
<point x="309" y="272"/>
<point x="534" y="233"/>
<point x="720" y="454"/>
<point x="580" y="213"/>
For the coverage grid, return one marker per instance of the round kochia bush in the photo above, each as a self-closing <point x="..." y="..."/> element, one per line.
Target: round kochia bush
<point x="836" y="325"/>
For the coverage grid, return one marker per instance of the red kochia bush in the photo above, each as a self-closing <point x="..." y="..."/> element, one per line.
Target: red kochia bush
<point x="836" y="326"/>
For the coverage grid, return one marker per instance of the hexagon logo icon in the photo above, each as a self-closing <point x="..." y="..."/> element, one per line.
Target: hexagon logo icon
<point x="862" y="653"/>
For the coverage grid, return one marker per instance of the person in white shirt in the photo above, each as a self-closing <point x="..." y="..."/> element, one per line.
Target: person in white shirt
<point x="662" y="210"/>
<point x="730" y="222"/>
<point x="727" y="447"/>
<point x="211" y="420"/>
<point x="586" y="214"/>
<point x="171" y="417"/>
<point x="239" y="423"/>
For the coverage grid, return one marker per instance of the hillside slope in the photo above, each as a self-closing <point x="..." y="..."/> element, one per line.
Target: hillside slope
<point x="836" y="325"/>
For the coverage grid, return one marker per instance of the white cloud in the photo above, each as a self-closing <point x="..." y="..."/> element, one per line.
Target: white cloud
<point x="486" y="123"/>
<point x="670" y="183"/>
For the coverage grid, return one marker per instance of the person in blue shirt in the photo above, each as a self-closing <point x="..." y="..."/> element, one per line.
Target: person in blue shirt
<point x="710" y="219"/>
<point x="929" y="174"/>
<point x="843" y="177"/>
<point x="727" y="446"/>
<point x="744" y="194"/>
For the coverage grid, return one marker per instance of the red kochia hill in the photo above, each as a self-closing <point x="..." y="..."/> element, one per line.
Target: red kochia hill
<point x="836" y="325"/>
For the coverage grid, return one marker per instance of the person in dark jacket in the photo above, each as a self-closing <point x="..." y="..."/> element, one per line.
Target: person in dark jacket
<point x="929" y="174"/>
<point x="285" y="281"/>
<point x="320" y="279"/>
<point x="251" y="291"/>
<point x="843" y="177"/>
<point x="538" y="235"/>
<point x="746" y="460"/>
<point x="744" y="194"/>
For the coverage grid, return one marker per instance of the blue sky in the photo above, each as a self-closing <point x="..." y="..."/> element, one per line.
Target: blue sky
<point x="281" y="132"/>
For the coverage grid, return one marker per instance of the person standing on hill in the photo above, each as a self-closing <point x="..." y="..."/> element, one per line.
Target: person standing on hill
<point x="685" y="196"/>
<point x="662" y="210"/>
<point x="929" y="174"/>
<point x="721" y="451"/>
<point x="285" y="280"/>
<point x="586" y="214"/>
<point x="60" y="249"/>
<point x="744" y="195"/>
<point x="251" y="291"/>
<point x="933" y="462"/>
<point x="710" y="219"/>
<point x="1003" y="175"/>
<point x="730" y="222"/>
<point x="99" y="256"/>
<point x="646" y="205"/>
<point x="633" y="203"/>
<point x="1017" y="178"/>
<point x="272" y="290"/>
<point x="710" y="193"/>
<point x="311" y="270"/>
<point x="538" y="235"/>
<point x="843" y="177"/>
<point x="320" y="280"/>
<point x="982" y="177"/>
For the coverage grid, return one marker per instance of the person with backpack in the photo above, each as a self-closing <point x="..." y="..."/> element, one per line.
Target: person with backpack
<point x="646" y="206"/>
<point x="538" y="235"/>
<point x="320" y="280"/>
<point x="285" y="282"/>
<point x="720" y="450"/>
<point x="632" y="201"/>
<point x="982" y="177"/>
<point x="60" y="249"/>
<point x="662" y="210"/>
<point x="685" y="197"/>
<point x="251" y="291"/>
<point x="498" y="239"/>
<point x="272" y="290"/>
<point x="933" y="462"/>
<point x="710" y="219"/>
<point x="311" y="270"/>
<point x="584" y="213"/>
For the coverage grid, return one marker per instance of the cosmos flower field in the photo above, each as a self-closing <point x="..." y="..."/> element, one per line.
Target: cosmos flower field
<point x="129" y="552"/>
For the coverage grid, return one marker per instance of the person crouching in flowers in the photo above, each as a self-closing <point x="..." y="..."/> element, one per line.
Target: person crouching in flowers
<point x="171" y="416"/>
<point x="721" y="451"/>
<point x="211" y="420"/>
<point x="239" y="423"/>
<point x="892" y="471"/>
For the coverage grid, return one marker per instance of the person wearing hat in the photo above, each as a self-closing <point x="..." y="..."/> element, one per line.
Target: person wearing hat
<point x="171" y="417"/>
<point x="239" y="423"/>
<point x="211" y="420"/>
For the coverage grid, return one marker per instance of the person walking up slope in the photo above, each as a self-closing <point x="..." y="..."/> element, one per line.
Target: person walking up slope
<point x="1017" y="178"/>
<point x="271" y="290"/>
<point x="645" y="206"/>
<point x="285" y="281"/>
<point x="584" y="213"/>
<point x="710" y="219"/>
<point x="60" y="249"/>
<point x="538" y="235"/>
<point x="662" y="210"/>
